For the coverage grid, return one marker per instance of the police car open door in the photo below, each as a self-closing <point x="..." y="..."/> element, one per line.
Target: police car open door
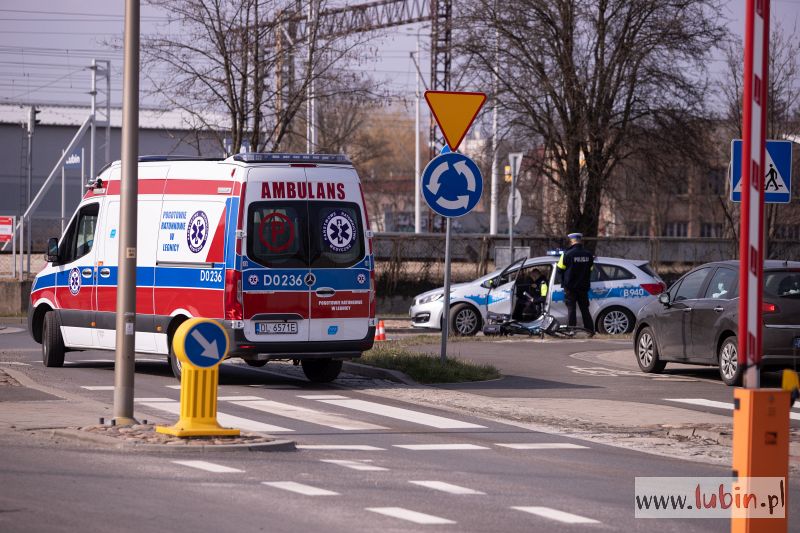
<point x="501" y="298"/>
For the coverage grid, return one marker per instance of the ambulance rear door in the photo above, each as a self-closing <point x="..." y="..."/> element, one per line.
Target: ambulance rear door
<point x="339" y="259"/>
<point x="275" y="273"/>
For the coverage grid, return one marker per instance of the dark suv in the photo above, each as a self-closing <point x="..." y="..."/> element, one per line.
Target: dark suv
<point x="696" y="320"/>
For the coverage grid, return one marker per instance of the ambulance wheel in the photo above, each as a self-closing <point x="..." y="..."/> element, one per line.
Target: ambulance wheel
<point x="174" y="363"/>
<point x="321" y="370"/>
<point x="256" y="363"/>
<point x="52" y="342"/>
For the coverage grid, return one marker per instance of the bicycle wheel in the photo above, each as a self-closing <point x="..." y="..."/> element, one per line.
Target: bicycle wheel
<point x="571" y="332"/>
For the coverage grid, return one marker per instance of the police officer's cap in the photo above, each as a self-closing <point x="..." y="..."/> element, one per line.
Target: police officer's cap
<point x="575" y="236"/>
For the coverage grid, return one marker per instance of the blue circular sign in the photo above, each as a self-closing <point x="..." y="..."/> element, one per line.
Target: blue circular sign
<point x="205" y="344"/>
<point x="452" y="184"/>
<point x="338" y="231"/>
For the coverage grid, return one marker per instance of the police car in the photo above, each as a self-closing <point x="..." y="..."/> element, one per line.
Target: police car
<point x="275" y="246"/>
<point x="619" y="288"/>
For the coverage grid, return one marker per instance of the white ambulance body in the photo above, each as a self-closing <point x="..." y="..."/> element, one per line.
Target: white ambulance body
<point x="274" y="245"/>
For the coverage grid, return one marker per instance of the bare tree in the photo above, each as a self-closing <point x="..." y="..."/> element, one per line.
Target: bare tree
<point x="783" y="115"/>
<point x="242" y="68"/>
<point x="581" y="77"/>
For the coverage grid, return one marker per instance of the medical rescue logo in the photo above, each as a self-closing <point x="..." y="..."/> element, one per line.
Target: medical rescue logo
<point x="338" y="231"/>
<point x="74" y="281"/>
<point x="197" y="231"/>
<point x="361" y="279"/>
<point x="253" y="279"/>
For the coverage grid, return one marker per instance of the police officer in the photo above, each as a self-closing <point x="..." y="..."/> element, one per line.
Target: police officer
<point x="576" y="265"/>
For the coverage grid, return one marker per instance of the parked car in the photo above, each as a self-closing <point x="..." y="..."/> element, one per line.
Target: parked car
<point x="619" y="288"/>
<point x="696" y="320"/>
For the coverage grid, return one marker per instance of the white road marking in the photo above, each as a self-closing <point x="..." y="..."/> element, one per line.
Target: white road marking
<point x="541" y="446"/>
<point x="15" y="363"/>
<point x="98" y="387"/>
<point x="174" y="387"/>
<point x="411" y="516"/>
<point x="446" y="487"/>
<point x="355" y="465"/>
<point x="307" y="415"/>
<point x="226" y="420"/>
<point x="238" y="398"/>
<point x="156" y="399"/>
<point x="94" y="361"/>
<point x="558" y="516"/>
<point x="209" y="467"/>
<point x="284" y="386"/>
<point x="150" y="360"/>
<point x="299" y="488"/>
<point x="718" y="405"/>
<point x="438" y="447"/>
<point x="416" y="417"/>
<point x="342" y="447"/>
<point x="322" y="396"/>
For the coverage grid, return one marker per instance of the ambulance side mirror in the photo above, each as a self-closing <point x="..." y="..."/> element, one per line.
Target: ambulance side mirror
<point x="52" y="250"/>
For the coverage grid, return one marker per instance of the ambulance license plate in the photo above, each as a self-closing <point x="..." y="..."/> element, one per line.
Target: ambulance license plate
<point x="276" y="328"/>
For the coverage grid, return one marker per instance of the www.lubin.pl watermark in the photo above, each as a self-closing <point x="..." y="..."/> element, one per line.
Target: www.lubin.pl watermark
<point x="710" y="497"/>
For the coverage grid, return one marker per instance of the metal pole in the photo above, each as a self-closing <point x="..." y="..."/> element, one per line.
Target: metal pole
<point x="129" y="189"/>
<point x="14" y="250"/>
<point x="21" y="247"/>
<point x="310" y="91"/>
<point x="108" y="113"/>
<point x="511" y="202"/>
<point x="493" y="215"/>
<point x="417" y="162"/>
<point x="32" y="122"/>
<point x="93" y="117"/>
<point x="81" y="181"/>
<point x="63" y="196"/>
<point x="446" y="310"/>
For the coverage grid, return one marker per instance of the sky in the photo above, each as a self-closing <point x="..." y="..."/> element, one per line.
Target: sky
<point x="47" y="45"/>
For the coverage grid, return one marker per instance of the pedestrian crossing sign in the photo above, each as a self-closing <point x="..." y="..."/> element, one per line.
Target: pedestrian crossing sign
<point x="777" y="177"/>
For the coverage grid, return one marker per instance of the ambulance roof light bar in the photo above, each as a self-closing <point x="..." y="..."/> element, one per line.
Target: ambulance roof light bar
<point x="333" y="159"/>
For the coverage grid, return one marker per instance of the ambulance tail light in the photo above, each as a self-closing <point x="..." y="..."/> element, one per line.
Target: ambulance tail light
<point x="233" y="295"/>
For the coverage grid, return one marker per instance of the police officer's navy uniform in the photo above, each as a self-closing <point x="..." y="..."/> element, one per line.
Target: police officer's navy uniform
<point x="576" y="264"/>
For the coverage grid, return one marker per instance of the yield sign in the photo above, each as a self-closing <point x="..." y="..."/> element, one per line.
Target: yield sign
<point x="454" y="112"/>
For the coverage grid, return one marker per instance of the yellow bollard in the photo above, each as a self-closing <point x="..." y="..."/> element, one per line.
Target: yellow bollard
<point x="197" y="345"/>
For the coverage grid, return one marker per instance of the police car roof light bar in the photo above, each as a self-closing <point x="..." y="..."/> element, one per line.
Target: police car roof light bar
<point x="335" y="159"/>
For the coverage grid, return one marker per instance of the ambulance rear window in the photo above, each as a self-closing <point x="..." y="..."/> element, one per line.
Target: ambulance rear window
<point x="276" y="234"/>
<point x="287" y="234"/>
<point x="337" y="240"/>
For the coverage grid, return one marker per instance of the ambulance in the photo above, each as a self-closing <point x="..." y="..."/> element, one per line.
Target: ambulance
<point x="274" y="246"/>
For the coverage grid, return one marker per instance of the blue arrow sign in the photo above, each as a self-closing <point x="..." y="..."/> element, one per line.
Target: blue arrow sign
<point x="206" y="344"/>
<point x="777" y="172"/>
<point x="452" y="184"/>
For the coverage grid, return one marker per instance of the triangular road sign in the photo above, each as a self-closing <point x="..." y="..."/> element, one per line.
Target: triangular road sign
<point x="454" y="112"/>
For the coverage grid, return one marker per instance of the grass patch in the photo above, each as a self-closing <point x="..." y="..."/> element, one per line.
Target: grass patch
<point x="426" y="368"/>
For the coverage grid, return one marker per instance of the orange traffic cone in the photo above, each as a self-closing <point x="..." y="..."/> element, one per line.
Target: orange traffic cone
<point x="380" y="332"/>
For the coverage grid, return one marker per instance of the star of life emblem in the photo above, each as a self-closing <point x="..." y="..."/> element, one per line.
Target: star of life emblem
<point x="74" y="281"/>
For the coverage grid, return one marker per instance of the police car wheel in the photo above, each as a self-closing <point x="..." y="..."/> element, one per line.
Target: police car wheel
<point x="321" y="370"/>
<point x="647" y="352"/>
<point x="615" y="321"/>
<point x="52" y="342"/>
<point x="464" y="320"/>
<point x="255" y="362"/>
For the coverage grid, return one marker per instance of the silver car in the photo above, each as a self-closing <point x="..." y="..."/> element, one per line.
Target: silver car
<point x="619" y="288"/>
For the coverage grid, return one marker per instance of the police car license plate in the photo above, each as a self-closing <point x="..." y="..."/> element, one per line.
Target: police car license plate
<point x="276" y="328"/>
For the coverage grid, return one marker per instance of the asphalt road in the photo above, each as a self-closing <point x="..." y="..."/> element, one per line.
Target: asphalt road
<point x="364" y="463"/>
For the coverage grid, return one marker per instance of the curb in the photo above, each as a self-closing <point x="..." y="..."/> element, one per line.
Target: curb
<point x="278" y="445"/>
<point x="368" y="371"/>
